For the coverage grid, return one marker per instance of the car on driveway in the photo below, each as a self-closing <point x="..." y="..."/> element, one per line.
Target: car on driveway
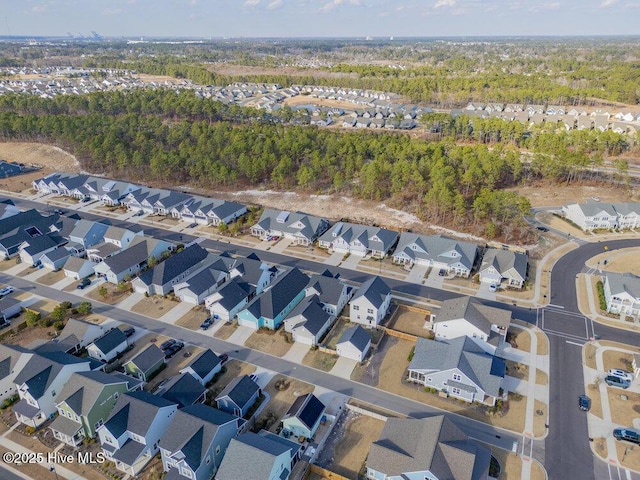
<point x="627" y="434"/>
<point x="442" y="272"/>
<point x="7" y="290"/>
<point x="620" y="373"/>
<point x="129" y="331"/>
<point x="224" y="357"/>
<point x="85" y="282"/>
<point x="493" y="287"/>
<point x="542" y="229"/>
<point x="206" y="324"/>
<point x="614" y="381"/>
<point x="173" y="349"/>
<point x="58" y="211"/>
<point x="167" y="344"/>
<point x="584" y="403"/>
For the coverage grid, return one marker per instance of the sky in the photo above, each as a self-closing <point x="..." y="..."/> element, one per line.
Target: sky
<point x="319" y="18"/>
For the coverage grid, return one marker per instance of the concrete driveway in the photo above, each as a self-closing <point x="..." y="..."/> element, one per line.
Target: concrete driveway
<point x="417" y="273"/>
<point x="334" y="259"/>
<point x="343" y="368"/>
<point x="484" y="292"/>
<point x="297" y="352"/>
<point x="241" y="335"/>
<point x="434" y="280"/>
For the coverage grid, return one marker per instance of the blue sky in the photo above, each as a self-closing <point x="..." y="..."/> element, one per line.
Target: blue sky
<point x="319" y="18"/>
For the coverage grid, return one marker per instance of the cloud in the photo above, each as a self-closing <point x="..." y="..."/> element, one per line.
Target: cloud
<point x="251" y="3"/>
<point x="274" y="4"/>
<point x="41" y="8"/>
<point x="545" y="6"/>
<point x="445" y="3"/>
<point x="327" y="7"/>
<point x="111" y="11"/>
<point x="608" y="3"/>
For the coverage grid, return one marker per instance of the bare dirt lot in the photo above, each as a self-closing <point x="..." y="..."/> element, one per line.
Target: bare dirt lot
<point x="39" y="154"/>
<point x="628" y="455"/>
<point x="112" y="294"/>
<point x="544" y="195"/>
<point x="614" y="359"/>
<point x="154" y="306"/>
<point x="281" y="400"/>
<point x="193" y="318"/>
<point x="239" y="70"/>
<point x="624" y="405"/>
<point x="411" y="322"/>
<point x="269" y="341"/>
<point x="50" y="278"/>
<point x="626" y="260"/>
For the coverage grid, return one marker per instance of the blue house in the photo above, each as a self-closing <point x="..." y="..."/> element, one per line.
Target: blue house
<point x="269" y="309"/>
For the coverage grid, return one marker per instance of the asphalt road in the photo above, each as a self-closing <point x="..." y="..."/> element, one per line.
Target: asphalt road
<point x="7" y="475"/>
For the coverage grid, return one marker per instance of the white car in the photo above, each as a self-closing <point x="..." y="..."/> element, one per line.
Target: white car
<point x="621" y="374"/>
<point x="6" y="291"/>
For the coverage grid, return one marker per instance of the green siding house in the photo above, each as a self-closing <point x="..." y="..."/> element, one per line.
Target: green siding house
<point x="145" y="364"/>
<point x="87" y="399"/>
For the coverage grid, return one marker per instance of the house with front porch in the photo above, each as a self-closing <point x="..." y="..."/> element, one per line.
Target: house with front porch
<point x="85" y="403"/>
<point x="458" y="367"/>
<point x="361" y="240"/>
<point x="500" y="266"/>
<point x="303" y="417"/>
<point x="437" y="251"/>
<point x="622" y="293"/>
<point x="108" y="346"/>
<point x="199" y="285"/>
<point x="78" y="334"/>
<point x="592" y="215"/>
<point x="239" y="396"/>
<point x="370" y="304"/>
<point x="131" y="435"/>
<point x="203" y="367"/>
<point x="39" y="383"/>
<point x="300" y="227"/>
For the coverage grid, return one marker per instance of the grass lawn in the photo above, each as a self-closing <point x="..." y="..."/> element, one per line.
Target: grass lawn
<point x="51" y="277"/>
<point x="541" y="377"/>
<point x="613" y="359"/>
<point x="193" y="318"/>
<point x="280" y="400"/>
<point x="517" y="370"/>
<point x="590" y="355"/>
<point x="336" y="332"/>
<point x="600" y="446"/>
<point x="320" y="360"/>
<point x="410" y="322"/>
<point x="154" y="306"/>
<point x="232" y="369"/>
<point x="543" y="344"/>
<point x="520" y="338"/>
<point x="351" y="450"/>
<point x="113" y="293"/>
<point x="593" y="393"/>
<point x="226" y="330"/>
<point x="273" y="342"/>
<point x="623" y="411"/>
<point x="628" y="455"/>
<point x="539" y="418"/>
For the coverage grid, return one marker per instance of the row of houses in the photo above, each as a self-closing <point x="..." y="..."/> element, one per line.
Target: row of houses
<point x="133" y="425"/>
<point x="532" y="109"/>
<point x="596" y="215"/>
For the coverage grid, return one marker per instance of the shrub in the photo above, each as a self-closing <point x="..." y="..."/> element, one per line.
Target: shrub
<point x="29" y="430"/>
<point x="58" y="325"/>
<point x="45" y="322"/>
<point x="58" y="313"/>
<point x="31" y="318"/>
<point x="103" y="292"/>
<point x="601" y="297"/>
<point x="84" y="308"/>
<point x="411" y="353"/>
<point x="66" y="305"/>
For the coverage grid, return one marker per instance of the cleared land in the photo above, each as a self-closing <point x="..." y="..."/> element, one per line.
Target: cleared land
<point x="112" y="293"/>
<point x="226" y="330"/>
<point x="154" y="306"/>
<point x="336" y="332"/>
<point x="519" y="338"/>
<point x="624" y="405"/>
<point x="614" y="359"/>
<point x="272" y="342"/>
<point x="628" y="455"/>
<point x="411" y="322"/>
<point x="193" y="318"/>
<point x="320" y="360"/>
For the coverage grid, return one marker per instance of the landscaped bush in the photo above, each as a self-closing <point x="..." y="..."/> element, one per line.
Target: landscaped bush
<point x="31" y="318"/>
<point x="411" y="353"/>
<point x="601" y="297"/>
<point x="58" y="325"/>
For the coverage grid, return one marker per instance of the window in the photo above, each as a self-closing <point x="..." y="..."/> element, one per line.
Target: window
<point x="455" y="391"/>
<point x="217" y="449"/>
<point x="208" y="460"/>
<point x="369" y="310"/>
<point x="356" y="307"/>
<point x="116" y="395"/>
<point x="457" y="377"/>
<point x="429" y="379"/>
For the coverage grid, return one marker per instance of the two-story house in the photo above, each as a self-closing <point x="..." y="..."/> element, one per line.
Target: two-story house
<point x="199" y="285"/>
<point x="115" y="239"/>
<point x="300" y="227"/>
<point x="371" y="302"/>
<point x="332" y="292"/>
<point x="591" y="215"/>
<point x="86" y="234"/>
<point x="78" y="334"/>
<point x="108" y="346"/>
<point x="622" y="293"/>
<point x="204" y="366"/>
<point x="238" y="396"/>
<point x="359" y="240"/>
<point x="504" y="265"/>
<point x="13" y="359"/>
<point x="308" y="321"/>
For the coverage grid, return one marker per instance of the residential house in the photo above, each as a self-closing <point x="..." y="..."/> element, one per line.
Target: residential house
<point x="358" y="240"/>
<point x="87" y="233"/>
<point x="130" y="261"/>
<point x="77" y="334"/>
<point x="371" y="302"/>
<point x="160" y="279"/>
<point x="132" y="433"/>
<point x="197" y="287"/>
<point x="467" y="316"/>
<point x="221" y="211"/>
<point x="184" y="390"/>
<point x="303" y="417"/>
<point x="458" y="367"/>
<point x="145" y="364"/>
<point x="169" y="200"/>
<point x="266" y="457"/>
<point x="622" y="293"/>
<point x="354" y="343"/>
<point x="437" y="251"/>
<point x="9" y="169"/>
<point x="498" y="265"/>
<point x="38" y="383"/>
<point x="591" y="215"/>
<point x="308" y="321"/>
<point x="13" y="359"/>
<point x="203" y="367"/>
<point x="238" y="396"/>
<point x="55" y="259"/>
<point x="432" y="448"/>
<point x="197" y="442"/>
<point x="332" y="292"/>
<point x="300" y="227"/>
<point x="78" y="268"/>
<point x="115" y="239"/>
<point x="8" y="209"/>
<point x="85" y="403"/>
<point x="11" y="306"/>
<point x="230" y="299"/>
<point x="108" y="346"/>
<point x="628" y="215"/>
<point x="32" y="250"/>
<point x="271" y="307"/>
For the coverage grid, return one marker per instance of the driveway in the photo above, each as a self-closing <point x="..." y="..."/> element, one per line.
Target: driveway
<point x="434" y="280"/>
<point x="176" y="312"/>
<point x="297" y="352"/>
<point x="351" y="262"/>
<point x="484" y="292"/>
<point x="417" y="273"/>
<point x="241" y="335"/>
<point x="343" y="368"/>
<point x="334" y="259"/>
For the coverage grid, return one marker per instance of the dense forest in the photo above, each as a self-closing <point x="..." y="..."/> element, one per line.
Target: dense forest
<point x="173" y="138"/>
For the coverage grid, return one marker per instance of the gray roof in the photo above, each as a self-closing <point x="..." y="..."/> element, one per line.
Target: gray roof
<point x="375" y="290"/>
<point x="590" y="209"/>
<point x="293" y="223"/>
<point x="8" y="302"/>
<point x="251" y="269"/>
<point x="74" y="331"/>
<point x="57" y="254"/>
<point x="25" y="408"/>
<point x="110" y="340"/>
<point x="250" y="457"/>
<point x="240" y="390"/>
<point x="137" y="253"/>
<point x="204" y="363"/>
<point x="274" y="300"/>
<point x="483" y="369"/>
<point x="372" y="238"/>
<point x="328" y="288"/>
<point x="183" y="389"/>
<point x="65" y="425"/>
<point x="474" y="312"/>
<point x="83" y="389"/>
<point x="627" y="208"/>
<point x="437" y="248"/>
<point x="206" y="278"/>
<point x="357" y="336"/>
<point x="75" y="264"/>
<point x="9" y="356"/>
<point x="505" y="261"/>
<point x="312" y="317"/>
<point x="135" y="412"/>
<point x="432" y="444"/>
<point x="306" y="408"/>
<point x="164" y="272"/>
<point x="623" y="282"/>
<point x="43" y="368"/>
<point x="192" y="431"/>
<point x="234" y="292"/>
<point x="129" y="452"/>
<point x="83" y="228"/>
<point x="147" y="358"/>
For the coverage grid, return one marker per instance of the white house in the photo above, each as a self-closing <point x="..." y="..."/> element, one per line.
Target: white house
<point x="504" y="265"/>
<point x="358" y="240"/>
<point x="308" y="321"/>
<point x="108" y="346"/>
<point x="13" y="358"/>
<point x="354" y="343"/>
<point x="622" y="293"/>
<point x="371" y="302"/>
<point x="204" y="367"/>
<point x="591" y="215"/>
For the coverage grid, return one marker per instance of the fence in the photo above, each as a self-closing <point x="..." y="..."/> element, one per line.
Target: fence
<point x="396" y="333"/>
<point x="364" y="411"/>
<point x="324" y="473"/>
<point x="512" y="248"/>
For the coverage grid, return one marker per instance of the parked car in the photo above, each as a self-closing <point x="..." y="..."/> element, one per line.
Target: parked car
<point x="442" y="272"/>
<point x="224" y="357"/>
<point x="139" y="213"/>
<point x="493" y="287"/>
<point x="253" y="377"/>
<point x="85" y="282"/>
<point x="542" y="229"/>
<point x="173" y="349"/>
<point x="614" y="381"/>
<point x="275" y="239"/>
<point x="7" y="290"/>
<point x="620" y="373"/>
<point x="58" y="211"/>
<point x="584" y="403"/>
<point x="167" y="344"/>
<point x="206" y="324"/>
<point x="627" y="434"/>
<point x="129" y="331"/>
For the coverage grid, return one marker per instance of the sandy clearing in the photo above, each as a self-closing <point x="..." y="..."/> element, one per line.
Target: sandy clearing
<point x="39" y="154"/>
<point x="542" y="194"/>
<point x="234" y="70"/>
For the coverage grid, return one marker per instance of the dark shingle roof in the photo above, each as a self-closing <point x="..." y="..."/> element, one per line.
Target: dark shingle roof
<point x="148" y="357"/>
<point x="375" y="290"/>
<point x="307" y="408"/>
<point x="279" y="295"/>
<point x="42" y="369"/>
<point x="174" y="266"/>
<point x="135" y="412"/>
<point x="250" y="457"/>
<point x="328" y="288"/>
<point x="110" y="340"/>
<point x="357" y="336"/>
<point x="234" y="292"/>
<point x="183" y="389"/>
<point x="204" y="363"/>
<point x="240" y="390"/>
